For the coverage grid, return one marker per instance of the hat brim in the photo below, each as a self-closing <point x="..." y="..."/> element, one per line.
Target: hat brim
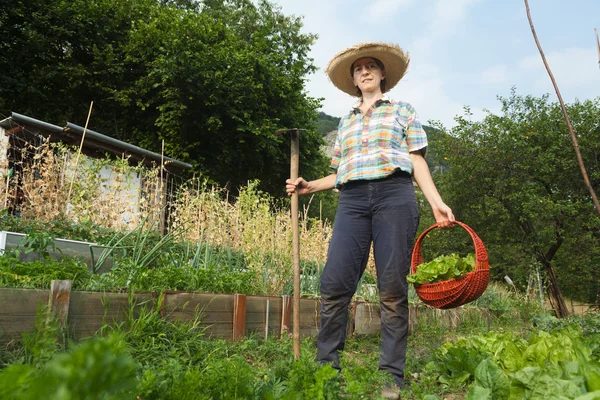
<point x="394" y="59"/>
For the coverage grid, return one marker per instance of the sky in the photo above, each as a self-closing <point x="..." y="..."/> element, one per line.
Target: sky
<point x="463" y="52"/>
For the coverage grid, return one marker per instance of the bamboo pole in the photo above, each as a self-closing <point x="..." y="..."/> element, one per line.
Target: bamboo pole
<point x="7" y="191"/>
<point x="162" y="208"/>
<point x="564" y="110"/>
<point x="597" y="44"/>
<point x="295" y="242"/>
<point x="78" y="154"/>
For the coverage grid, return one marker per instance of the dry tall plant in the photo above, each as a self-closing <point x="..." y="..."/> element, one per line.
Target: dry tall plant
<point x="105" y="192"/>
<point x="5" y="172"/>
<point x="252" y="225"/>
<point x="113" y="194"/>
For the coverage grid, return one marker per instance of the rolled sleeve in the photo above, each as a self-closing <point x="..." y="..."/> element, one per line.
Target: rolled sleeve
<point x="337" y="151"/>
<point x="416" y="138"/>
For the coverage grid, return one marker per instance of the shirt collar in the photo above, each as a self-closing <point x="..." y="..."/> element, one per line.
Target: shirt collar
<point x="356" y="106"/>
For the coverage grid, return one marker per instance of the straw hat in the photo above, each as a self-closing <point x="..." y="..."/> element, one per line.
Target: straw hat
<point x="392" y="56"/>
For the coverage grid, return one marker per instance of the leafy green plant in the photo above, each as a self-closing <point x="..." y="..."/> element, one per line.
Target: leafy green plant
<point x="313" y="380"/>
<point x="503" y="366"/>
<point x="142" y="250"/>
<point x="39" y="274"/>
<point x="38" y="242"/>
<point x="99" y="368"/>
<point x="41" y="343"/>
<point x="442" y="268"/>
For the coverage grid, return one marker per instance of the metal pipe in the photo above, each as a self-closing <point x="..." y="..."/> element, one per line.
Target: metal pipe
<point x="95" y="136"/>
<point x="126" y="147"/>
<point x="25" y="120"/>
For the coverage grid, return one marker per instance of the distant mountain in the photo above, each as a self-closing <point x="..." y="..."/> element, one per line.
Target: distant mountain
<point x="326" y="123"/>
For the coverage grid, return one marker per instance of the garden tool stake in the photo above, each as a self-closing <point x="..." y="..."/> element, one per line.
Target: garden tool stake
<point x="294" y="165"/>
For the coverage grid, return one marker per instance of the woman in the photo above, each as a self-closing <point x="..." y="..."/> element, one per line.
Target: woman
<point x="380" y="146"/>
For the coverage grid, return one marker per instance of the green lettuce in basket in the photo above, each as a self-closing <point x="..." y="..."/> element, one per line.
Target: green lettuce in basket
<point x="442" y="268"/>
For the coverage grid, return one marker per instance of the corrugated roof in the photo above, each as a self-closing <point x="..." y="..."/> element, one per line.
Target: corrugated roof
<point x="94" y="141"/>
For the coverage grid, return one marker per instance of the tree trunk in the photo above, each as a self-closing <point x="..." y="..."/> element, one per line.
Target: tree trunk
<point x="554" y="294"/>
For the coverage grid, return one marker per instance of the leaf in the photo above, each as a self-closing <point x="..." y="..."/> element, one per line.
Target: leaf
<point x="590" y="396"/>
<point x="534" y="383"/>
<point x="489" y="376"/>
<point x="480" y="393"/>
<point x="442" y="268"/>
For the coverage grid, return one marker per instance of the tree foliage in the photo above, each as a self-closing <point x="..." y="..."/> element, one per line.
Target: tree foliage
<point x="213" y="79"/>
<point x="514" y="178"/>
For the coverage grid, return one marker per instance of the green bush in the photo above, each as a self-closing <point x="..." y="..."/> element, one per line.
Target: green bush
<point x="39" y="274"/>
<point x="100" y="368"/>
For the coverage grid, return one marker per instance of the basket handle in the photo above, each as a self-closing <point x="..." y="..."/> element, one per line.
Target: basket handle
<point x="481" y="258"/>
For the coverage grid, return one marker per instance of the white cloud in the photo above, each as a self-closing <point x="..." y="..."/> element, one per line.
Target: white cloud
<point x="384" y="9"/>
<point x="493" y="75"/>
<point x="438" y="87"/>
<point x="574" y="69"/>
<point x="424" y="88"/>
<point x="445" y="21"/>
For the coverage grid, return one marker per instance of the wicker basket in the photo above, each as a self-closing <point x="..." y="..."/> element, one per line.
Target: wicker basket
<point x="457" y="291"/>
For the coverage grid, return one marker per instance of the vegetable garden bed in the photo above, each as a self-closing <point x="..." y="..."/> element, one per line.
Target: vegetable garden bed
<point x="221" y="315"/>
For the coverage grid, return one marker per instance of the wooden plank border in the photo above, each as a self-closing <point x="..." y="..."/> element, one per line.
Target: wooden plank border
<point x="286" y="313"/>
<point x="239" y="316"/>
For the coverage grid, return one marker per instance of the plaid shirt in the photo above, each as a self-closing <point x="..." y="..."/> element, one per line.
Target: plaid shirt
<point x="374" y="145"/>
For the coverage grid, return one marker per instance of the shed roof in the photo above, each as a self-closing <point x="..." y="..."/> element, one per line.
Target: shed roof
<point x="95" y="143"/>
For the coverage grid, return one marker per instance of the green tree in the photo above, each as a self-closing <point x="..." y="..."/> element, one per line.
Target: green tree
<point x="514" y="178"/>
<point x="213" y="79"/>
<point x="57" y="56"/>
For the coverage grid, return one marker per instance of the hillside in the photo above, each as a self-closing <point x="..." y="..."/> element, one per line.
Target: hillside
<point x="326" y="123"/>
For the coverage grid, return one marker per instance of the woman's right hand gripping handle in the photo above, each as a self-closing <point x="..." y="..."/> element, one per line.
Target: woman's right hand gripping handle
<point x="300" y="186"/>
<point x="303" y="187"/>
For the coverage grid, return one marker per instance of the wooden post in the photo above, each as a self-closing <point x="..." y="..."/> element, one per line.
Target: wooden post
<point x="286" y="311"/>
<point x="267" y="320"/>
<point x="352" y="319"/>
<point x="58" y="303"/>
<point x="295" y="149"/>
<point x="239" y="316"/>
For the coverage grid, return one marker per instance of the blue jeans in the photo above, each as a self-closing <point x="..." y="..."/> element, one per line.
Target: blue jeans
<point x="383" y="212"/>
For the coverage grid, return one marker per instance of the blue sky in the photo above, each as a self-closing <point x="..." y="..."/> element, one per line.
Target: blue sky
<point x="463" y="52"/>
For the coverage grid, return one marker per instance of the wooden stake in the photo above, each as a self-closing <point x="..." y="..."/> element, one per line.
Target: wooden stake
<point x="60" y="297"/>
<point x="6" y="194"/>
<point x="78" y="154"/>
<point x="295" y="241"/>
<point x="564" y="110"/>
<point x="239" y="316"/>
<point x="286" y="310"/>
<point x="598" y="44"/>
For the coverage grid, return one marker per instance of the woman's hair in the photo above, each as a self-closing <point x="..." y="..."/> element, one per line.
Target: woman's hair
<point x="381" y="84"/>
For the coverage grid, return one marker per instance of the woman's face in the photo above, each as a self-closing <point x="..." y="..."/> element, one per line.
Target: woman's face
<point x="367" y="75"/>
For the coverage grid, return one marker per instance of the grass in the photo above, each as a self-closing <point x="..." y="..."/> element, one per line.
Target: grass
<point x="175" y="360"/>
